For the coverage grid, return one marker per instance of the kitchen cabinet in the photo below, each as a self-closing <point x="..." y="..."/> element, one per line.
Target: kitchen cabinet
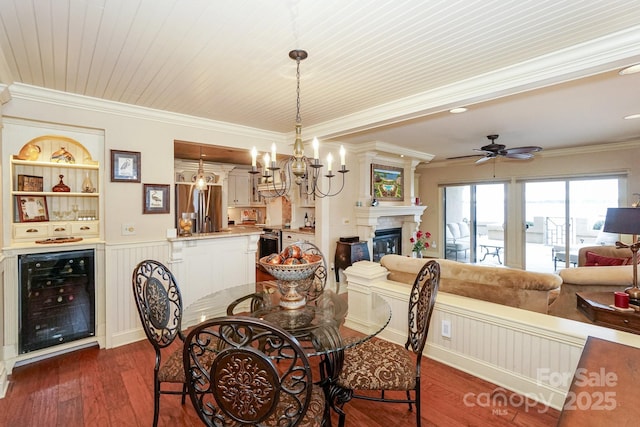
<point x="239" y="189"/>
<point x="39" y="210"/>
<point x="290" y="237"/>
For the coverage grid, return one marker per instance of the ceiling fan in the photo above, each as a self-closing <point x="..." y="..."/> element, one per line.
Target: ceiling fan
<point x="494" y="150"/>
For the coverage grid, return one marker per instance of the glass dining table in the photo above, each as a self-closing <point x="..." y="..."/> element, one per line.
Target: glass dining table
<point x="319" y="325"/>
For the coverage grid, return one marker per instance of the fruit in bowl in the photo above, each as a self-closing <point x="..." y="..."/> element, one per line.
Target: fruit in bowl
<point x="291" y="264"/>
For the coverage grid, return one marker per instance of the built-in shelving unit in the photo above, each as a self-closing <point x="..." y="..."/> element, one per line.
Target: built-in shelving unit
<point x="47" y="161"/>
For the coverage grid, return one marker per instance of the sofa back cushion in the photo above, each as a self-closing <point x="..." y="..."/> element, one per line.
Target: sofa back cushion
<point x="603" y="251"/>
<point x="501" y="285"/>
<point x="593" y="259"/>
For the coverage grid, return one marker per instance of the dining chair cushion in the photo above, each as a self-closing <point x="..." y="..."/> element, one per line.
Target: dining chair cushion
<point x="172" y="370"/>
<point x="378" y="365"/>
<point x="313" y="416"/>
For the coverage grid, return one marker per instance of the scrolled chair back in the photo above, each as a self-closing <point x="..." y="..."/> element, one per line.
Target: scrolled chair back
<point x="242" y="370"/>
<point x="158" y="301"/>
<point x="422" y="300"/>
<point x="320" y="275"/>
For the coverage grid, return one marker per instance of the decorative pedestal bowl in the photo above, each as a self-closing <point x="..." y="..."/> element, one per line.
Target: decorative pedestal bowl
<point x="293" y="281"/>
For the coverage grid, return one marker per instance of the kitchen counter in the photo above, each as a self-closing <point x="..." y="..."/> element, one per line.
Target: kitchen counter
<point x="233" y="231"/>
<point x="308" y="230"/>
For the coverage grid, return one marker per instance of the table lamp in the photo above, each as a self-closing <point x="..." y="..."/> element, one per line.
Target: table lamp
<point x="626" y="221"/>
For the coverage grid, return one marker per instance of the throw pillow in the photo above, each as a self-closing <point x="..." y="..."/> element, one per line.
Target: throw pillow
<point x="593" y="259"/>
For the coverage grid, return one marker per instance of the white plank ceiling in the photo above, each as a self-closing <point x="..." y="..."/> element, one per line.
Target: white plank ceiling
<point x="372" y="65"/>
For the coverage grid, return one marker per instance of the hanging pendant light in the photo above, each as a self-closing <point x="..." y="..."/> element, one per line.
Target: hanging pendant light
<point x="201" y="179"/>
<point x="298" y="167"/>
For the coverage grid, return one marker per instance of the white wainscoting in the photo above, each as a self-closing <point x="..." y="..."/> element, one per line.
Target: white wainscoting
<point x="123" y="322"/>
<point x="199" y="266"/>
<point x="519" y="350"/>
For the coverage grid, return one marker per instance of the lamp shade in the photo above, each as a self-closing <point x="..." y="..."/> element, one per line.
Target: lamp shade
<point x="622" y="220"/>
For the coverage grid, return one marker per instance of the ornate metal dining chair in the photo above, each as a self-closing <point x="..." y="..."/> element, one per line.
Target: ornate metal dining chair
<point x="160" y="307"/>
<point x="320" y="276"/>
<point x="383" y="366"/>
<point x="245" y="371"/>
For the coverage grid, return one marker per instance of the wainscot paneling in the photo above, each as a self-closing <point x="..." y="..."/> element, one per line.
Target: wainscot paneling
<point x="123" y="322"/>
<point x="530" y="353"/>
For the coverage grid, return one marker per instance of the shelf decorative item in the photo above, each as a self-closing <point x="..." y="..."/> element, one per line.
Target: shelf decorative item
<point x="29" y="152"/>
<point x="62" y="156"/>
<point x="30" y="183"/>
<point x="61" y="187"/>
<point x="87" y="185"/>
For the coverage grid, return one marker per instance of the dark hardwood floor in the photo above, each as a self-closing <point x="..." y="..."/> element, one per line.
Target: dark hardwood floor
<point x="114" y="387"/>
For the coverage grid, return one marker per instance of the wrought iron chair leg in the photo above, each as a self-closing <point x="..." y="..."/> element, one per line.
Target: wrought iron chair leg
<point x="410" y="404"/>
<point x="184" y="392"/>
<point x="156" y="403"/>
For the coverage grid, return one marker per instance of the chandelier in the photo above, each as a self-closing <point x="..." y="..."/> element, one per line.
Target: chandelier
<point x="305" y="172"/>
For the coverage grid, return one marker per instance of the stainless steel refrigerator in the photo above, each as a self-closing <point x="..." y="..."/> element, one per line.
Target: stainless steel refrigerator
<point x="204" y="207"/>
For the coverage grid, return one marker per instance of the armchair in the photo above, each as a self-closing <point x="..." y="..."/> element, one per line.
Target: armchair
<point x="457" y="238"/>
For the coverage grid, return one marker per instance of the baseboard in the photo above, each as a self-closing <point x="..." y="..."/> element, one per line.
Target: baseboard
<point x="4" y="381"/>
<point x="127" y="337"/>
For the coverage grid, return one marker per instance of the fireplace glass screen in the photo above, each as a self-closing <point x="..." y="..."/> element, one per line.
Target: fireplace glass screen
<point x="386" y="242"/>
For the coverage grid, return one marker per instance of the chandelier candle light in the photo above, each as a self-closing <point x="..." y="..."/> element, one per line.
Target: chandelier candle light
<point x="303" y="169"/>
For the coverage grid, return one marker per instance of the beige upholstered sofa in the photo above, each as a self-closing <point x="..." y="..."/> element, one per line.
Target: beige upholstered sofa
<point x="591" y="279"/>
<point x="501" y="285"/>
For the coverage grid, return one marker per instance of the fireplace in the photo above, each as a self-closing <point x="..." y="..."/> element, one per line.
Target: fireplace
<point x="386" y="242"/>
<point x="373" y="222"/>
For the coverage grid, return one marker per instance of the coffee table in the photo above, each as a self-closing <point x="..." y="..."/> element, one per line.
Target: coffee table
<point x="595" y="305"/>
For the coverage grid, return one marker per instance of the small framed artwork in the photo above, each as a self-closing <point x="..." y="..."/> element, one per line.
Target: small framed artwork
<point x="29" y="183"/>
<point x="32" y="208"/>
<point x="387" y="182"/>
<point x="125" y="166"/>
<point x="156" y="198"/>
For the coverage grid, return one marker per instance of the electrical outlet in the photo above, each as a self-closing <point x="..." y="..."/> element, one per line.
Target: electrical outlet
<point x="446" y="328"/>
<point x="128" y="229"/>
<point x="433" y="244"/>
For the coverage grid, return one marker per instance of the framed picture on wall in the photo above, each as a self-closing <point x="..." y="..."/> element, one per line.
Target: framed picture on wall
<point x="387" y="182"/>
<point x="155" y="198"/>
<point x="125" y="166"/>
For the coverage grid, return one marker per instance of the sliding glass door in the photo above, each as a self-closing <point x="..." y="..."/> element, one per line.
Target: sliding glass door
<point x="474" y="223"/>
<point x="563" y="215"/>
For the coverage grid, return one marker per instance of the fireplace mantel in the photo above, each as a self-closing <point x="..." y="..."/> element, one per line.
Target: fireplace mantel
<point x="369" y="216"/>
<point x="372" y="218"/>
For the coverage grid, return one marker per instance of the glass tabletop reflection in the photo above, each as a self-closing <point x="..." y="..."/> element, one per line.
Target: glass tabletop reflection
<point x="320" y="321"/>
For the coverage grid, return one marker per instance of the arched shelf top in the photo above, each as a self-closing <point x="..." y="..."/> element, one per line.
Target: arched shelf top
<point x="55" y="149"/>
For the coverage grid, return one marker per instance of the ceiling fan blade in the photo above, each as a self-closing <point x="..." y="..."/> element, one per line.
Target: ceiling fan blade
<point x="464" y="157"/>
<point x="484" y="159"/>
<point x="519" y="156"/>
<point x="519" y="150"/>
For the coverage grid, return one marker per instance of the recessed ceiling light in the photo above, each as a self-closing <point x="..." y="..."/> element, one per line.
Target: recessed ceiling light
<point x="458" y="110"/>
<point x="633" y="116"/>
<point x="630" y="70"/>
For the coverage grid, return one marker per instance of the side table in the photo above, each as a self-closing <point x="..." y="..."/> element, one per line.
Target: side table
<point x="595" y="305"/>
<point x="349" y="252"/>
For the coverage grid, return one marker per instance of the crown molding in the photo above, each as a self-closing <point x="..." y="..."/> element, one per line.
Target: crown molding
<point x="394" y="150"/>
<point x="48" y="96"/>
<point x="595" y="56"/>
